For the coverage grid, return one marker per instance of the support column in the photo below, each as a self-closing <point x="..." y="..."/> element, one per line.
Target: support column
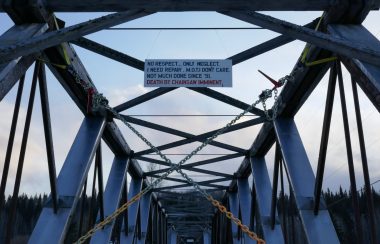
<point x="263" y="199"/>
<point x="51" y="227"/>
<point x="133" y="210"/>
<point x="172" y="236"/>
<point x="144" y="216"/>
<point x="301" y="179"/>
<point x="245" y="206"/>
<point x="112" y="197"/>
<point x="206" y="236"/>
<point x="234" y="209"/>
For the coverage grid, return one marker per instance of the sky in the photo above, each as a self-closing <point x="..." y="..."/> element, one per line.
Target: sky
<point x="120" y="83"/>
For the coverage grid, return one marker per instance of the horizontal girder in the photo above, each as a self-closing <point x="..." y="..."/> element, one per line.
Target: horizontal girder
<point x="195" y="5"/>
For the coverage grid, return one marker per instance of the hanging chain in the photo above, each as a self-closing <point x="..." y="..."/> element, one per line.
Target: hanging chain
<point x="99" y="102"/>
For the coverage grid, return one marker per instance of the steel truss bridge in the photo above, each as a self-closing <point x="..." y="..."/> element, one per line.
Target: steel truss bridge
<point x="164" y="215"/>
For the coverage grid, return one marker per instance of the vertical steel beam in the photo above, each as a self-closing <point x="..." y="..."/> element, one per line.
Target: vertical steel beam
<point x="144" y="216"/>
<point x="92" y="211"/>
<point x="154" y="223"/>
<point x="368" y="190"/>
<point x="325" y="138"/>
<point x="245" y="205"/>
<point x="125" y="197"/>
<point x="350" y="160"/>
<point x="81" y="210"/>
<point x="134" y="189"/>
<point x="16" y="188"/>
<point x="282" y="196"/>
<point x="48" y="135"/>
<point x="12" y="133"/>
<point x="173" y="236"/>
<point x="162" y="227"/>
<point x="301" y="179"/>
<point x="99" y="162"/>
<point x="277" y="159"/>
<point x="218" y="227"/>
<point x="50" y="227"/>
<point x="234" y="209"/>
<point x="263" y="191"/>
<point x="206" y="236"/>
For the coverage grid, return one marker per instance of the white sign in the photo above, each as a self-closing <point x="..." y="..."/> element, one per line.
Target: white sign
<point x="188" y="73"/>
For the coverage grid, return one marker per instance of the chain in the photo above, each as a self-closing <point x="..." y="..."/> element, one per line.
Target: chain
<point x="236" y="220"/>
<point x="100" y="102"/>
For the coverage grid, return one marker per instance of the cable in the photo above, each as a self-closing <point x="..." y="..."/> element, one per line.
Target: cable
<point x="186" y="28"/>
<point x="188" y="115"/>
<point x="199" y="154"/>
<point x="337" y="201"/>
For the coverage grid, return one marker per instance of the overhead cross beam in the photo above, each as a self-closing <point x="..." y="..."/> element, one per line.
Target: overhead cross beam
<point x="109" y="53"/>
<point x="195" y="5"/>
<point x="203" y="171"/>
<point x="204" y="136"/>
<point x="320" y="39"/>
<point x="185" y="181"/>
<point x="53" y="38"/>
<point x="265" y="46"/>
<point x="177" y="132"/>
<point x="10" y="72"/>
<point x="190" y="165"/>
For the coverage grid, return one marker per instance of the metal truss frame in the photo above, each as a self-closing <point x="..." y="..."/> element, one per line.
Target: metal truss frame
<point x="166" y="215"/>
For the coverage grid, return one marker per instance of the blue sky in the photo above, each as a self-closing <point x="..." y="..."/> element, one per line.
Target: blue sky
<point x="120" y="83"/>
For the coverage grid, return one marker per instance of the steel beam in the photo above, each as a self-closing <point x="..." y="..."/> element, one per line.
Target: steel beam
<point x="263" y="189"/>
<point x="301" y="179"/>
<point x="174" y="132"/>
<point x="99" y="162"/>
<point x="144" y="216"/>
<point x="203" y="171"/>
<point x="350" y="158"/>
<point x="196" y="5"/>
<point x="12" y="133"/>
<point x="291" y="99"/>
<point x="325" y="137"/>
<point x="112" y="197"/>
<point x="188" y="184"/>
<point x="204" y="136"/>
<point x="109" y="53"/>
<point x="112" y="134"/>
<point x="134" y="188"/>
<point x="245" y="199"/>
<point x="50" y="227"/>
<point x="265" y="47"/>
<point x="53" y="38"/>
<point x="172" y="236"/>
<point x="363" y="153"/>
<point x="365" y="74"/>
<point x="21" y="160"/>
<point x="48" y="135"/>
<point x="190" y="165"/>
<point x="12" y="71"/>
<point x="233" y="200"/>
<point x="343" y="47"/>
<point x="206" y="236"/>
<point x="143" y="98"/>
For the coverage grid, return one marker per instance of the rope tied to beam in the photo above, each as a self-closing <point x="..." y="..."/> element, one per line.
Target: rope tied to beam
<point x="307" y="48"/>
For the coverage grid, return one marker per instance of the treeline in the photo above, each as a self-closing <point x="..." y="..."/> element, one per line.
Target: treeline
<point x="339" y="205"/>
